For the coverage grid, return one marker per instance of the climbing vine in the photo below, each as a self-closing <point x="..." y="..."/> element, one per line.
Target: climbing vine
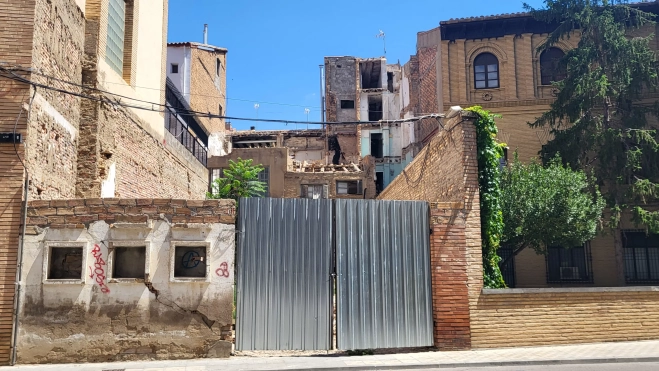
<point x="489" y="156"/>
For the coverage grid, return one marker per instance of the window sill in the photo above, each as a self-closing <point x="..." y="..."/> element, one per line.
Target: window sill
<point x="63" y="282"/>
<point x="126" y="280"/>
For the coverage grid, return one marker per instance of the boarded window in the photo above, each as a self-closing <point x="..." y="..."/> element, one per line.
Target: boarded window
<point x="190" y="262"/>
<point x="347" y="104"/>
<point x="65" y="263"/>
<point x="114" y="50"/>
<point x="129" y="262"/>
<point x="349" y="187"/>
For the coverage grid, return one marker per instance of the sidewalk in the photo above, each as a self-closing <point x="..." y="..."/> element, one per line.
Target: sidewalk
<point x="643" y="351"/>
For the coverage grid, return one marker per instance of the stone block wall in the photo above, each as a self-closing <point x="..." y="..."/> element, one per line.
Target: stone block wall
<point x="78" y="307"/>
<point x="445" y="173"/>
<point x="532" y="317"/>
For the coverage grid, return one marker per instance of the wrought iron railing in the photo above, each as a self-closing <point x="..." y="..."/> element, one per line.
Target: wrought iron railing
<point x="183" y="125"/>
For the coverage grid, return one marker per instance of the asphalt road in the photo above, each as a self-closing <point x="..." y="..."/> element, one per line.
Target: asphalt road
<point x="641" y="366"/>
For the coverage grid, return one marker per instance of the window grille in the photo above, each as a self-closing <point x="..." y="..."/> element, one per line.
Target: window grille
<point x="641" y="256"/>
<point x="569" y="265"/>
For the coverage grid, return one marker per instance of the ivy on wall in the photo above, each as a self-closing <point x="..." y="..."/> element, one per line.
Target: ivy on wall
<point x="489" y="157"/>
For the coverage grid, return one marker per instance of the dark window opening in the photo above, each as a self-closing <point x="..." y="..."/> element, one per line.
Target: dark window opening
<point x="349" y="187"/>
<point x="190" y="261"/>
<point x="379" y="182"/>
<point x="218" y="67"/>
<point x="220" y="110"/>
<point x="390" y="82"/>
<point x="551" y="68"/>
<point x="129" y="262"/>
<point x="314" y="191"/>
<point x="65" y="263"/>
<point x="507" y="269"/>
<point x="174" y="68"/>
<point x="377" y="145"/>
<point x="569" y="265"/>
<point x="333" y="145"/>
<point x="264" y="176"/>
<point x="486" y="71"/>
<point x="503" y="161"/>
<point x="347" y="104"/>
<point x="370" y="73"/>
<point x="374" y="108"/>
<point x="641" y="255"/>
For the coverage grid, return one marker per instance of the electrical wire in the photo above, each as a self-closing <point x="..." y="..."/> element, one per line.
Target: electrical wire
<point x="191" y="112"/>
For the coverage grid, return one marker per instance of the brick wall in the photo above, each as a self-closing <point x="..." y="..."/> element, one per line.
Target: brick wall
<point x="445" y="173"/>
<point x="207" y="89"/>
<point x="156" y="314"/>
<point x="517" y="317"/>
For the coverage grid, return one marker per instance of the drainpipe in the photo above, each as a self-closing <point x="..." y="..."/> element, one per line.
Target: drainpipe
<point x="19" y="272"/>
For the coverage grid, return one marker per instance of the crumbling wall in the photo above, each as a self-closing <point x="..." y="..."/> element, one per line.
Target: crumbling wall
<point x="92" y="315"/>
<point x="294" y="180"/>
<point x="51" y="139"/>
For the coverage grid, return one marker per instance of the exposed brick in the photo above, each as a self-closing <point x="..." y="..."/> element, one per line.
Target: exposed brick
<point x="128" y="202"/>
<point x="73" y="203"/>
<point x="59" y="203"/>
<point x="195" y="203"/>
<point x="39" y="203"/>
<point x="111" y="201"/>
<point x="93" y="201"/>
<point x="65" y="211"/>
<point x="131" y="218"/>
<point x="144" y="201"/>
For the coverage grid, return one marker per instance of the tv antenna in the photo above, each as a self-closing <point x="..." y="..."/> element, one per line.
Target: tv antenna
<point x="384" y="42"/>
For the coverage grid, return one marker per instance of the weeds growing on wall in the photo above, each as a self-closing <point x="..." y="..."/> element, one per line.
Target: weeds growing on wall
<point x="489" y="157"/>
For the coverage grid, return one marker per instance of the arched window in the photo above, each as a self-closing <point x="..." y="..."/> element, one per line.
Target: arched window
<point x="550" y="67"/>
<point x="486" y="71"/>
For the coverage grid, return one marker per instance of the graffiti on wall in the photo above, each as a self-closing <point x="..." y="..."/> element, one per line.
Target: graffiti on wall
<point x="223" y="270"/>
<point x="98" y="271"/>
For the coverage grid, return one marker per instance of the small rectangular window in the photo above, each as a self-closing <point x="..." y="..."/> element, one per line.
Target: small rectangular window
<point x="65" y="263"/>
<point x="218" y="67"/>
<point x="129" y="262"/>
<point x="174" y="68"/>
<point x="390" y="82"/>
<point x="569" y="265"/>
<point x="348" y="187"/>
<point x="313" y="191"/>
<point x="347" y="104"/>
<point x="114" y="50"/>
<point x="379" y="182"/>
<point x="377" y="145"/>
<point x="375" y="112"/>
<point x="190" y="261"/>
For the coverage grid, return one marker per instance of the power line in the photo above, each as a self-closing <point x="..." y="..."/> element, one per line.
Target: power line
<point x="186" y="112"/>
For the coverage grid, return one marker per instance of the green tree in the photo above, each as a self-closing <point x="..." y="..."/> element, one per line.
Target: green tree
<point x="240" y="179"/>
<point x="548" y="206"/>
<point x="604" y="119"/>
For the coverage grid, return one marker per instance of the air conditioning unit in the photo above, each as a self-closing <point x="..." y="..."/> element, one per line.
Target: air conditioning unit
<point x="569" y="273"/>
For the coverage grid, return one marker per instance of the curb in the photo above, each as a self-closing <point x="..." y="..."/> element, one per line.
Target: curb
<point x="416" y="366"/>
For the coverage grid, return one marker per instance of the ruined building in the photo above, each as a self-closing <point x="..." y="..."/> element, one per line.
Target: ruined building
<point x="104" y="142"/>
<point x="369" y="90"/>
<point x="299" y="164"/>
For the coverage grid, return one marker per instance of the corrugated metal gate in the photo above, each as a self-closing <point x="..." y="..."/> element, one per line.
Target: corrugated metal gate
<point x="283" y="274"/>
<point x="383" y="274"/>
<point x="285" y="268"/>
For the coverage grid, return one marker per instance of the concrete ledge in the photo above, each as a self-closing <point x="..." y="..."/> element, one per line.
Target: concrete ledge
<point x="570" y="290"/>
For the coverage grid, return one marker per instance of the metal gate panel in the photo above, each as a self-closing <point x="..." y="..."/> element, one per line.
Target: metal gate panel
<point x="383" y="274"/>
<point x="283" y="283"/>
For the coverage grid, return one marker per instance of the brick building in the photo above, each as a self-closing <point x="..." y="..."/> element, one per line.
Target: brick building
<point x="493" y="62"/>
<point x="297" y="164"/>
<point x="94" y="136"/>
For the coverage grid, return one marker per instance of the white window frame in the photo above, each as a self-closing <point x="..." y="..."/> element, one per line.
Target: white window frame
<point x="172" y="261"/>
<point x="112" y="260"/>
<point x="47" y="254"/>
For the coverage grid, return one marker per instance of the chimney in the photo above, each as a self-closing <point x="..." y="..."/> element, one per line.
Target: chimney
<point x="252" y="128"/>
<point x="205" y="34"/>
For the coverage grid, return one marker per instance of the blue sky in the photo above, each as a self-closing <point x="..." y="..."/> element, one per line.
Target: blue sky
<point x="276" y="46"/>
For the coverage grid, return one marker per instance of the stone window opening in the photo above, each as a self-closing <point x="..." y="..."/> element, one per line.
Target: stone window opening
<point x="174" y="68"/>
<point x="314" y="191"/>
<point x="347" y="104"/>
<point x="377" y="145"/>
<point x="128" y="261"/>
<point x="551" y="69"/>
<point x="569" y="265"/>
<point x="348" y="187"/>
<point x="189" y="261"/>
<point x="64" y="262"/>
<point x="375" y="108"/>
<point x="486" y="71"/>
<point x="390" y="82"/>
<point x="370" y="74"/>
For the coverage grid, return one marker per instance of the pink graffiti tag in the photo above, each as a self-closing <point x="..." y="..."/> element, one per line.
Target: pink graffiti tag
<point x="223" y="270"/>
<point x="99" y="271"/>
